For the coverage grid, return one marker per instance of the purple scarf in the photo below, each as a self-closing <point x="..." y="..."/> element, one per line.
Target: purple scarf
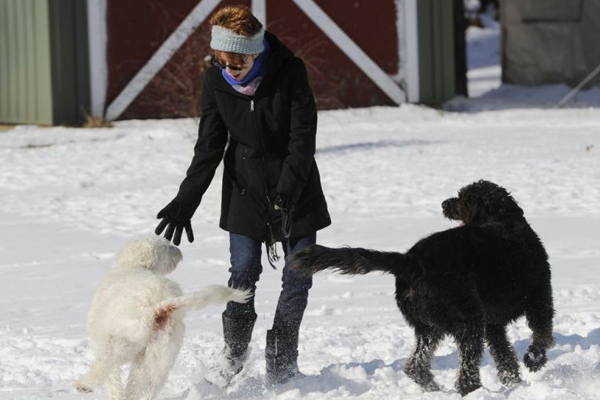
<point x="258" y="69"/>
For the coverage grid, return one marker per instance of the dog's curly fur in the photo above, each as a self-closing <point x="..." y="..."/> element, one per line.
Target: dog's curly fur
<point x="136" y="317"/>
<point x="469" y="282"/>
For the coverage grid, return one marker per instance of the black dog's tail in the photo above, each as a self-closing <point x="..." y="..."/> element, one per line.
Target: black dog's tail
<point x="347" y="260"/>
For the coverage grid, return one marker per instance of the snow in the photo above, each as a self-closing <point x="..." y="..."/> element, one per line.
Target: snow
<point x="71" y="198"/>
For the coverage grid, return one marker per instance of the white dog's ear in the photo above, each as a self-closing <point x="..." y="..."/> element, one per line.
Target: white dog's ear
<point x="141" y="253"/>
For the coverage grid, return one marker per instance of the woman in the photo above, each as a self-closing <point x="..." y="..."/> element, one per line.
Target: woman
<point x="259" y="110"/>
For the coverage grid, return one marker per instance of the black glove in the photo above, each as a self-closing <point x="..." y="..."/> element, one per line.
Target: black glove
<point x="175" y="219"/>
<point x="285" y="206"/>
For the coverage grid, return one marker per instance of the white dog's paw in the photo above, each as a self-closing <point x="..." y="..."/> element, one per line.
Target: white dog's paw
<point x="82" y="387"/>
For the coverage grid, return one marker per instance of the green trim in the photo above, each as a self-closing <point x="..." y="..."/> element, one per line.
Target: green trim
<point x="436" y="51"/>
<point x="70" y="60"/>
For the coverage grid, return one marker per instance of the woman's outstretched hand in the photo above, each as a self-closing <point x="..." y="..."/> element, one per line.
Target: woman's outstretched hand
<point x="175" y="220"/>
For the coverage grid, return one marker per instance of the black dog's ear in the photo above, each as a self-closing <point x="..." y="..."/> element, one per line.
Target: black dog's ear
<point x="474" y="210"/>
<point x="510" y="206"/>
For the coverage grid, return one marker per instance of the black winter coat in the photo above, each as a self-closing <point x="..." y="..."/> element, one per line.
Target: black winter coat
<point x="270" y="145"/>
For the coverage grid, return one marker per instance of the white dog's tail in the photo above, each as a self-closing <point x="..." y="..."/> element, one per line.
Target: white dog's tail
<point x="212" y="294"/>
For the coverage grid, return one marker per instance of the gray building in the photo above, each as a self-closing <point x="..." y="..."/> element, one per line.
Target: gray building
<point x="549" y="41"/>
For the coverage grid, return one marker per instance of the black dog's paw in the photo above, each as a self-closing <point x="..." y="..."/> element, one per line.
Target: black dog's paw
<point x="464" y="390"/>
<point x="535" y="359"/>
<point x="509" y="378"/>
<point x="431" y="387"/>
<point x="466" y="385"/>
<point x="423" y="377"/>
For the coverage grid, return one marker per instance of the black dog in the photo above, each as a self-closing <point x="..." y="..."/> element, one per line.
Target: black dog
<point x="468" y="282"/>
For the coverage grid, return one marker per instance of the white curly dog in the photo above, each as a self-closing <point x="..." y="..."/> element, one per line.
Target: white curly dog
<point x="136" y="317"/>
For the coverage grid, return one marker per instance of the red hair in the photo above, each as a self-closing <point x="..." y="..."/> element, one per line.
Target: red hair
<point x="240" y="20"/>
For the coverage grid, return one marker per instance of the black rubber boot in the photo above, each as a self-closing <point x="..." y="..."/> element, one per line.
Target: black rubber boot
<point x="237" y="333"/>
<point x="281" y="355"/>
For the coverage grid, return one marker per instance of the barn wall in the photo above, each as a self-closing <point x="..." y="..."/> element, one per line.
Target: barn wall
<point x="137" y="28"/>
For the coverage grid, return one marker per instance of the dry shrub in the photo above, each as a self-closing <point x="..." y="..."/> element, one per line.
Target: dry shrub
<point x="176" y="92"/>
<point x="96" y="122"/>
<point x="4" y="127"/>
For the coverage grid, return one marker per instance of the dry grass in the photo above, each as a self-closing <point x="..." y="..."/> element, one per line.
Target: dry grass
<point x="96" y="122"/>
<point x="5" y="128"/>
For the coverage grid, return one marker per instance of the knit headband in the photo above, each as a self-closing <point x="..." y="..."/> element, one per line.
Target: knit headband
<point x="224" y="39"/>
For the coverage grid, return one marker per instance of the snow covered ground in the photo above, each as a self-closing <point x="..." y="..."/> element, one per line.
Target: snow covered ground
<point x="71" y="198"/>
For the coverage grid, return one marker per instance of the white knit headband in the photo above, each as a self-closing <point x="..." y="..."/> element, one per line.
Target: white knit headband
<point x="224" y="39"/>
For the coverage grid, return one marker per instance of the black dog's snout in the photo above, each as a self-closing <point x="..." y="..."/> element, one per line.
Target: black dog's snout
<point x="449" y="208"/>
<point x="447" y="203"/>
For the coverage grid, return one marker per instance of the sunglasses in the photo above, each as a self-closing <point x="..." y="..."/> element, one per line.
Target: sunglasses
<point x="221" y="65"/>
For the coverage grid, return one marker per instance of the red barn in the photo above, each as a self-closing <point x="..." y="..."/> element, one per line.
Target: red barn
<point x="146" y="58"/>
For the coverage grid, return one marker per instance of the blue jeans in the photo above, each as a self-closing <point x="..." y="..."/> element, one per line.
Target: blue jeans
<point x="246" y="269"/>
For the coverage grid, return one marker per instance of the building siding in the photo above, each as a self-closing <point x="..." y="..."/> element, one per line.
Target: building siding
<point x="25" y="83"/>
